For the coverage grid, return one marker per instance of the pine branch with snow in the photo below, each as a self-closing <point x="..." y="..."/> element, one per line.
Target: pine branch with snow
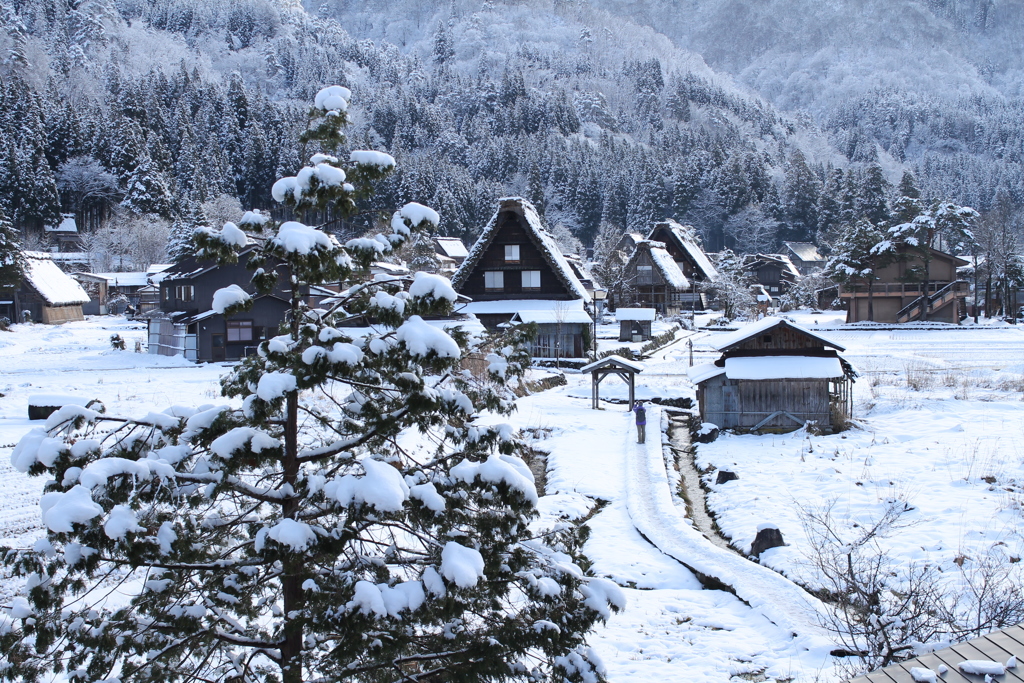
<point x="347" y="516"/>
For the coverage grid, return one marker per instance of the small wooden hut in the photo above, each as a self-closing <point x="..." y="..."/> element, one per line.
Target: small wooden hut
<point x="775" y="375"/>
<point x="635" y="323"/>
<point x="48" y="295"/>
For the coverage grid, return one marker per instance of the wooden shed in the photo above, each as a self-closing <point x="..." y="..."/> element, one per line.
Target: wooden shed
<point x="48" y="295"/>
<point x="775" y="375"/>
<point x="992" y="651"/>
<point x="635" y="323"/>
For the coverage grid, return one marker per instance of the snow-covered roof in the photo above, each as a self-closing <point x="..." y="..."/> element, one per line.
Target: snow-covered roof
<point x="614" y="360"/>
<point x="134" y="279"/>
<point x="703" y="371"/>
<point x="669" y="268"/>
<point x="780" y="260"/>
<point x="67" y="225"/>
<point x="53" y="284"/>
<point x="510" y="306"/>
<point x="770" y="367"/>
<point x="663" y="261"/>
<point x="534" y="227"/>
<point x="452" y="247"/>
<point x="685" y="240"/>
<point x="155" y="268"/>
<point x="552" y="316"/>
<point x="632" y="314"/>
<point x="783" y="367"/>
<point x="763" y="325"/>
<point x="805" y="251"/>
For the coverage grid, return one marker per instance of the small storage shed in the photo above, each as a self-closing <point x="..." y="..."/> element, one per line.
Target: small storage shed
<point x="635" y="323"/>
<point x="775" y="375"/>
<point x="47" y="294"/>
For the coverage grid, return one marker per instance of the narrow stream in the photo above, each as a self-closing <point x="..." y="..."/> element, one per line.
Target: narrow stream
<point x="696" y="506"/>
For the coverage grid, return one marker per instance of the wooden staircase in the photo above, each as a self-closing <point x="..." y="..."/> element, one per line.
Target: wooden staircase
<point x="915" y="309"/>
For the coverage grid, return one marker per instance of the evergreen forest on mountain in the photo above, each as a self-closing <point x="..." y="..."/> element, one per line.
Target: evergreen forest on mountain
<point x="754" y="122"/>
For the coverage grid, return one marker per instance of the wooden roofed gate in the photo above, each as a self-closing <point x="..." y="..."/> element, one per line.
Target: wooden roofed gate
<point x="626" y="370"/>
<point x="775" y="375"/>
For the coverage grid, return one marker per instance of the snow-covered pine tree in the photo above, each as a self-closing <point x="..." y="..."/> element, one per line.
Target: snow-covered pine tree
<point x="350" y="518"/>
<point x="180" y="244"/>
<point x="941" y="225"/>
<point x="12" y="262"/>
<point x="730" y="289"/>
<point x="856" y="257"/>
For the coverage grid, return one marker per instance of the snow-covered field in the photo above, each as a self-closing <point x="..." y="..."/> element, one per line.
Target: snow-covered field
<point x="940" y="425"/>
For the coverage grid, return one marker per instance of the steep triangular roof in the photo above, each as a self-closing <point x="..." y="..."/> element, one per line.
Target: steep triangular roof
<point x="683" y="238"/>
<point x="662" y="260"/>
<point x="540" y="237"/>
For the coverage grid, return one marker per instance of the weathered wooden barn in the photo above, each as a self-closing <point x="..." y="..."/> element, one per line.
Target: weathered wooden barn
<point x="775" y="375"/>
<point x="515" y="270"/>
<point x="47" y="294"/>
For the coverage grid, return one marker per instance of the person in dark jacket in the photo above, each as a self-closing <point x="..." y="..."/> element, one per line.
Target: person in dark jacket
<point x="641" y="421"/>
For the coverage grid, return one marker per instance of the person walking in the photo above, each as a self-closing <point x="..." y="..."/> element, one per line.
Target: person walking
<point x="641" y="421"/>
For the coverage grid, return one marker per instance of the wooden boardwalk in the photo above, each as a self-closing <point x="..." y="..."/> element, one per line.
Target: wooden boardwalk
<point x="998" y="646"/>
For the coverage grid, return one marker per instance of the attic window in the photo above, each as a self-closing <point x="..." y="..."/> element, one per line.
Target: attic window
<point x="766" y="339"/>
<point x="512" y="253"/>
<point x="531" y="279"/>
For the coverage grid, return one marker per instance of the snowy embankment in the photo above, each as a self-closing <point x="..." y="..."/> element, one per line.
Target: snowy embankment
<point x="649" y="498"/>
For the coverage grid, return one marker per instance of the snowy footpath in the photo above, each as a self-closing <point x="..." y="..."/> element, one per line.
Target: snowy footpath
<point x="763" y="628"/>
<point x="649" y="498"/>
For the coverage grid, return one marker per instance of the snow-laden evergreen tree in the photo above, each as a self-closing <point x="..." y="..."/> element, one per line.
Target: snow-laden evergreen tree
<point x="179" y="244"/>
<point x="347" y="517"/>
<point x="730" y="288"/>
<point x="12" y="261"/>
<point x="944" y="226"/>
<point x="856" y="257"/>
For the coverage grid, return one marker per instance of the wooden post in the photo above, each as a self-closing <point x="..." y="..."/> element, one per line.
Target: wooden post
<point x="632" y="379"/>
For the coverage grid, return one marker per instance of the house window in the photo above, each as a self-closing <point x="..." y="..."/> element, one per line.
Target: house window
<point x="644" y="275"/>
<point x="531" y="279"/>
<point x="184" y="292"/>
<point x="512" y="253"/>
<point x="239" y="330"/>
<point x="494" y="279"/>
<point x="167" y="293"/>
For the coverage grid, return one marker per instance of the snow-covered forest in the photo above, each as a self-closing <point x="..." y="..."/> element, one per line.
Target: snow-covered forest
<point x="807" y="117"/>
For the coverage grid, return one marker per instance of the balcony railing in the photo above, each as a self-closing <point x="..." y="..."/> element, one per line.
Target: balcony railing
<point x="914" y="289"/>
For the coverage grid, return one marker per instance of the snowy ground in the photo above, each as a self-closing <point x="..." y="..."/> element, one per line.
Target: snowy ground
<point x="940" y="425"/>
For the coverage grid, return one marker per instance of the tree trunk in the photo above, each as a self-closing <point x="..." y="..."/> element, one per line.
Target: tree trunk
<point x="291" y="578"/>
<point x="871" y="300"/>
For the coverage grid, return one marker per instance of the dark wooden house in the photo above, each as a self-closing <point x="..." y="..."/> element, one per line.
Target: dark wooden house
<point x="47" y="294"/>
<point x="652" y="279"/>
<point x="515" y="269"/>
<point x="681" y="242"/>
<point x="186" y="324"/>
<point x="773" y="271"/>
<point x="775" y="375"/>
<point x="900" y="294"/>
